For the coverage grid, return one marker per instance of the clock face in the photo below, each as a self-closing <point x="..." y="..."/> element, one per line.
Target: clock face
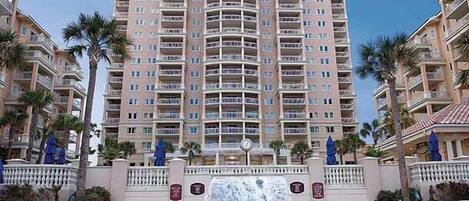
<point x="246" y="145"/>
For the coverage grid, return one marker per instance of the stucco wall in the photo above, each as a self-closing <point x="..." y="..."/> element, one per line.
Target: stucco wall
<point x="99" y="176"/>
<point x="389" y="175"/>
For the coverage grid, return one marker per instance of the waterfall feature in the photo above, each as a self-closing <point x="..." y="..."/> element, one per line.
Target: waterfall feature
<point x="249" y="188"/>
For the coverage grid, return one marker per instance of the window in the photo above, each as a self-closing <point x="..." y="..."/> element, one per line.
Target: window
<point x="135" y="74"/>
<point x="132" y="116"/>
<point x="313" y="101"/>
<point x="194" y="101"/>
<point x="147" y="130"/>
<point x="322" y="35"/>
<point x="193" y="130"/>
<point x="325" y="74"/>
<point x="146" y="145"/>
<point x="324" y="61"/>
<point x="131" y="130"/>
<point x="314" y="129"/>
<point x="323" y="48"/>
<point x="312" y="87"/>
<point x="321" y="23"/>
<point x="139" y="10"/>
<point x="327" y="101"/>
<point x="139" y="22"/>
<point x="133" y="101"/>
<point x="133" y="87"/>
<point x="194" y="87"/>
<point x="138" y="34"/>
<point x="195" y="74"/>
<point x="136" y="61"/>
<point x="268" y="74"/>
<point x="321" y="11"/>
<point x="152" y="60"/>
<point x="152" y="47"/>
<point x="328" y="115"/>
<point x="268" y="101"/>
<point x="267" y="87"/>
<point x="330" y="129"/>
<point x="193" y="115"/>
<point x="269" y="130"/>
<point x="24" y="31"/>
<point x="147" y="115"/>
<point x="316" y="144"/>
<point x="149" y="101"/>
<point x="326" y="87"/>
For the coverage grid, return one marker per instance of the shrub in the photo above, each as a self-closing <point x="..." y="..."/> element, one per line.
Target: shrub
<point x="397" y="195"/>
<point x="449" y="191"/>
<point x="96" y="193"/>
<point x="24" y="193"/>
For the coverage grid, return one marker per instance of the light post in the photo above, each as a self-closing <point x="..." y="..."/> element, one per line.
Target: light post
<point x="246" y="146"/>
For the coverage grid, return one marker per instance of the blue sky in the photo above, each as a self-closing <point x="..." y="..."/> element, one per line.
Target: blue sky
<point x="368" y="19"/>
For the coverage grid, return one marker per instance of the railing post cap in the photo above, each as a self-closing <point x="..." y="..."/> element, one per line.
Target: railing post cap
<point x="17" y="161"/>
<point x="462" y="158"/>
<point x="411" y="157"/>
<point x="177" y="160"/>
<point x="368" y="158"/>
<point x="120" y="160"/>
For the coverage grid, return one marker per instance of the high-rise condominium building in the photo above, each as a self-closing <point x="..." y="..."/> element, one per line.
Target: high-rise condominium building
<point x="218" y="71"/>
<point x="46" y="68"/>
<point x="428" y="93"/>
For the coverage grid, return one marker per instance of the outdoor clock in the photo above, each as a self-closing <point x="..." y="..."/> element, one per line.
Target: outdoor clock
<point x="246" y="145"/>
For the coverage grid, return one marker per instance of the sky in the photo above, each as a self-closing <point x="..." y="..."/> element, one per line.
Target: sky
<point x="368" y="19"/>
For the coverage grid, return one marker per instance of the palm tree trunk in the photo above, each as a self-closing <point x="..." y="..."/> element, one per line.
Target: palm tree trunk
<point x="11" y="134"/>
<point x="399" y="142"/>
<point x="85" y="140"/>
<point x="32" y="133"/>
<point x="41" y="148"/>
<point x="355" y="156"/>
<point x="341" y="161"/>
<point x="66" y="139"/>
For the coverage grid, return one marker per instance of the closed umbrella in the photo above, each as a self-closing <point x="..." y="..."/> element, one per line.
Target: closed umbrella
<point x="331" y="151"/>
<point x="160" y="154"/>
<point x="61" y="159"/>
<point x="51" y="149"/>
<point x="433" y="147"/>
<point x="1" y="172"/>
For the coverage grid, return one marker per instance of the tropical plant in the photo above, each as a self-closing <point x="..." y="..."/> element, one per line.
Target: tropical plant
<point x="449" y="191"/>
<point x="97" y="38"/>
<point x="168" y="147"/>
<point x="277" y="145"/>
<point x="13" y="120"/>
<point x="354" y="143"/>
<point x="462" y="77"/>
<point x="38" y="100"/>
<point x="128" y="148"/>
<point x="381" y="59"/>
<point x="66" y="123"/>
<point x="405" y="119"/>
<point x="372" y="129"/>
<point x="191" y="148"/>
<point x="300" y="149"/>
<point x="397" y="195"/>
<point x="25" y="193"/>
<point x="11" y="50"/>
<point x="341" y="149"/>
<point x="374" y="152"/>
<point x="96" y="193"/>
<point x="109" y="151"/>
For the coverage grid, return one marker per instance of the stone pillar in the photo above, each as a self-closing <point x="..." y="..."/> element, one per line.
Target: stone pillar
<point x="274" y="158"/>
<point x="288" y="159"/>
<point x="409" y="160"/>
<point x="217" y="158"/>
<point x="449" y="150"/>
<point x="316" y="174"/>
<point x="146" y="160"/>
<point x="119" y="179"/>
<point x="372" y="178"/>
<point x="458" y="148"/>
<point x="176" y="173"/>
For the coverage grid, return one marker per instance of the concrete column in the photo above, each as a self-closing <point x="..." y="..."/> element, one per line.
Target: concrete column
<point x="316" y="173"/>
<point x="288" y="159"/>
<point x="146" y="160"/>
<point x="371" y="173"/>
<point x="217" y="158"/>
<point x="409" y="160"/>
<point x="70" y="102"/>
<point x="274" y="157"/>
<point x="118" y="181"/>
<point x="176" y="173"/>
<point x="449" y="150"/>
<point x="459" y="148"/>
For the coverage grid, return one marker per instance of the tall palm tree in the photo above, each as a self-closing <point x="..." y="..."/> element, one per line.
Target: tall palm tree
<point x="300" y="149"/>
<point x="354" y="143"/>
<point x="381" y="59"/>
<point x="462" y="77"/>
<point x="405" y="117"/>
<point x="128" y="148"/>
<point x="341" y="149"/>
<point x="13" y="120"/>
<point x="11" y="50"/>
<point x="66" y="123"/>
<point x="168" y="147"/>
<point x="372" y="129"/>
<point x="38" y="100"/>
<point x="96" y="37"/>
<point x="277" y="145"/>
<point x="191" y="147"/>
<point x="43" y="134"/>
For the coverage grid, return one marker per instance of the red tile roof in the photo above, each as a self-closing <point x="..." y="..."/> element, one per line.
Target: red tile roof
<point x="452" y="114"/>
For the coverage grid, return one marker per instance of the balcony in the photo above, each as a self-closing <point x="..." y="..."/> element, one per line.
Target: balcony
<point x="347" y="107"/>
<point x="344" y="79"/>
<point x="232" y="86"/>
<point x="71" y="83"/>
<point x="171" y="31"/>
<point x="36" y="56"/>
<point x="113" y="94"/>
<point x="121" y="15"/>
<point x="340" y="29"/>
<point x="170" y="72"/>
<point x="73" y="70"/>
<point x="231" y="130"/>
<point x="170" y="58"/>
<point x="346" y="94"/>
<point x="167" y="131"/>
<point x="6" y="8"/>
<point x="293" y="87"/>
<point x="121" y="3"/>
<point x="42" y="42"/>
<point x="349" y="120"/>
<point x="292" y="73"/>
<point x="342" y="54"/>
<point x="338" y="6"/>
<point x="111" y="122"/>
<point x="232" y="115"/>
<point x="172" y="5"/>
<point x="457" y="27"/>
<point x="232" y="100"/>
<point x="172" y="19"/>
<point x="291" y="32"/>
<point x="231" y="30"/>
<point x="436" y="97"/>
<point x="293" y="101"/>
<point x="290" y="6"/>
<point x="294" y="115"/>
<point x="289" y="19"/>
<point x="170" y="116"/>
<point x="431" y="57"/>
<point x="169" y="87"/>
<point x="291" y="59"/>
<point x="295" y="131"/>
<point x="456" y="9"/>
<point x="116" y="67"/>
<point x="231" y="5"/>
<point x="171" y="45"/>
<point x="422" y="43"/>
<point x="113" y="107"/>
<point x="291" y="45"/>
<point x="169" y="101"/>
<point x="339" y="17"/>
<point x="217" y="58"/>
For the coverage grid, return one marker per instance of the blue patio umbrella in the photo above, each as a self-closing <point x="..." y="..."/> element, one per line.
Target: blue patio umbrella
<point x="160" y="154"/>
<point x="61" y="158"/>
<point x="50" y="151"/>
<point x="1" y="172"/>
<point x="331" y="151"/>
<point x="433" y="147"/>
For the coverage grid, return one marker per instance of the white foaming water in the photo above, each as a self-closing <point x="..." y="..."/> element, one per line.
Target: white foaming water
<point x="248" y="188"/>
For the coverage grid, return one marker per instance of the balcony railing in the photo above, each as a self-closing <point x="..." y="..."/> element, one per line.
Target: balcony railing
<point x="454" y="5"/>
<point x="167" y="131"/>
<point x="348" y="120"/>
<point x="232" y="115"/>
<point x="339" y="16"/>
<point x="459" y="24"/>
<point x="116" y="93"/>
<point x="173" y="18"/>
<point x="294" y="130"/>
<point x="168" y="115"/>
<point x="290" y="6"/>
<point x="169" y="101"/>
<point x="171" y="45"/>
<point x="291" y="31"/>
<point x="293" y="101"/>
<point x="293" y="86"/>
<point x="170" y="72"/>
<point x="172" y="5"/>
<point x="39" y="39"/>
<point x="428" y="95"/>
<point x="171" y="58"/>
<point x="294" y="115"/>
<point x="169" y="86"/>
<point x="346" y="93"/>
<point x="111" y="121"/>
<point x="435" y="76"/>
<point x="71" y="83"/>
<point x="292" y="72"/>
<point x="172" y="30"/>
<point x="289" y="19"/>
<point x="113" y="106"/>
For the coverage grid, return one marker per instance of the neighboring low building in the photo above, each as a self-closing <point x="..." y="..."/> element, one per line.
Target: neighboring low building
<point x="428" y="94"/>
<point x="47" y="68"/>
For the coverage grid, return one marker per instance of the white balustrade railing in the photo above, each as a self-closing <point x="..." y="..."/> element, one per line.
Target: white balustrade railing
<point x="41" y="175"/>
<point x="437" y="172"/>
<point x="340" y="175"/>
<point x="247" y="170"/>
<point x="147" y="176"/>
